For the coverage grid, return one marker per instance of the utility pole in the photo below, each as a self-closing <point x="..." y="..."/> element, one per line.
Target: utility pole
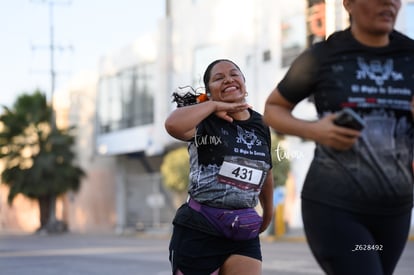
<point x="52" y="48"/>
<point x="53" y="225"/>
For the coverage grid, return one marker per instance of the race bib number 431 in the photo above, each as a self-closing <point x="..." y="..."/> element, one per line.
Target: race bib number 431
<point x="240" y="175"/>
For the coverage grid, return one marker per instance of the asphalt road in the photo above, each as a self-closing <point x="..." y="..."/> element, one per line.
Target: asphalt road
<point x="78" y="254"/>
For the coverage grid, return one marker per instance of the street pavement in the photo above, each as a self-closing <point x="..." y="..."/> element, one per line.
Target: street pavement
<point x="144" y="253"/>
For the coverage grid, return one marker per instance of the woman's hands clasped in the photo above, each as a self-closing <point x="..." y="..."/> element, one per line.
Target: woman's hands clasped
<point x="226" y="110"/>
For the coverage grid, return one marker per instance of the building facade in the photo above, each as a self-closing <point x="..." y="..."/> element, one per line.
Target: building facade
<point x="261" y="36"/>
<point x="120" y="109"/>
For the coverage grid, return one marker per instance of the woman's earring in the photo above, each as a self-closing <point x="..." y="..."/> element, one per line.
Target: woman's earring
<point x="246" y="94"/>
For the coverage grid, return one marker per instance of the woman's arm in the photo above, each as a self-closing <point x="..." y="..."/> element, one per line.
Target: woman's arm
<point x="182" y="121"/>
<point x="266" y="201"/>
<point x="278" y="115"/>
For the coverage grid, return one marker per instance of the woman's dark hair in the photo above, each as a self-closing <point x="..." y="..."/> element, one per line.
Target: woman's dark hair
<point x="207" y="73"/>
<point x="187" y="95"/>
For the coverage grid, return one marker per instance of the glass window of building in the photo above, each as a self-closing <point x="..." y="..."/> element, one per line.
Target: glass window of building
<point x="126" y="99"/>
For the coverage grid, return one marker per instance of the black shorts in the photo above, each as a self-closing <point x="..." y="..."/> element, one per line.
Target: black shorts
<point x="195" y="251"/>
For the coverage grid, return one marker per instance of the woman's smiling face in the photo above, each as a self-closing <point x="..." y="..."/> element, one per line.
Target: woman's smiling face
<point x="227" y="83"/>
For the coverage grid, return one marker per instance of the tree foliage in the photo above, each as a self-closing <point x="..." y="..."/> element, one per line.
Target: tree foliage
<point x="175" y="169"/>
<point x="38" y="158"/>
<point x="281" y="164"/>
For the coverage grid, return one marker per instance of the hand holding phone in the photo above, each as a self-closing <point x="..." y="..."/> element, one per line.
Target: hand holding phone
<point x="348" y="118"/>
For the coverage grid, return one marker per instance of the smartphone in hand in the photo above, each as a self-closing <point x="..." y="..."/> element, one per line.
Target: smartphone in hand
<point x="348" y="118"/>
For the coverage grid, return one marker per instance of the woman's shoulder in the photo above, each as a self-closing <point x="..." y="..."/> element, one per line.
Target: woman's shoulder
<point x="255" y="113"/>
<point x="255" y="116"/>
<point x="336" y="42"/>
<point x="341" y="39"/>
<point x="400" y="36"/>
<point x="402" y="40"/>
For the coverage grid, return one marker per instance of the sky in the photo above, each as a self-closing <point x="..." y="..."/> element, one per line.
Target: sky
<point x="84" y="31"/>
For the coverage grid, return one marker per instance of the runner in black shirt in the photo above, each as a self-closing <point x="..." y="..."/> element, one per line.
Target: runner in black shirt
<point x="358" y="193"/>
<point x="230" y="172"/>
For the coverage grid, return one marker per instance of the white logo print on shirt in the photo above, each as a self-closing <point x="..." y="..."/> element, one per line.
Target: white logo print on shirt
<point x="376" y="71"/>
<point x="247" y="137"/>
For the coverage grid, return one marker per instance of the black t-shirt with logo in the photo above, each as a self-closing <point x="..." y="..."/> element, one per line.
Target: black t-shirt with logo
<point x="229" y="161"/>
<point x="376" y="175"/>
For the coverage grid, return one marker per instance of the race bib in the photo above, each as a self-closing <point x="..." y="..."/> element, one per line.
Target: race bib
<point x="241" y="173"/>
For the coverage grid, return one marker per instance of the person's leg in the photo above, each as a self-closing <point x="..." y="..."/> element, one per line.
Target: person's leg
<point x="334" y="237"/>
<point x="241" y="265"/>
<point x="391" y="233"/>
<point x="194" y="252"/>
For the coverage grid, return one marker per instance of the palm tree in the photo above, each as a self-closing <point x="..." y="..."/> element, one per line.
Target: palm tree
<point x="38" y="157"/>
